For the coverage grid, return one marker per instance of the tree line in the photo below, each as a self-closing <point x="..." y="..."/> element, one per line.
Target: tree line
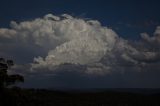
<point x="7" y="80"/>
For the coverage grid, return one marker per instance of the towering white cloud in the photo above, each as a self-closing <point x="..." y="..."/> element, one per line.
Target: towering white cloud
<point x="65" y="39"/>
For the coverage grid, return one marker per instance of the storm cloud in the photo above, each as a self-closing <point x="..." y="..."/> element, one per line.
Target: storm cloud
<point x="65" y="43"/>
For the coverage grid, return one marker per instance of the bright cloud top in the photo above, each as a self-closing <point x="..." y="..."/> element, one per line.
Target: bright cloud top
<point x="82" y="42"/>
<point x="66" y="39"/>
<point x="71" y="40"/>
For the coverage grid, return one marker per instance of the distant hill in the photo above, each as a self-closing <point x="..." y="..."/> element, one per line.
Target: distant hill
<point x="96" y="97"/>
<point x="125" y="90"/>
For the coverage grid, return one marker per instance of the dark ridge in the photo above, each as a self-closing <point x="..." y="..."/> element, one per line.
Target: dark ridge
<point x="97" y="97"/>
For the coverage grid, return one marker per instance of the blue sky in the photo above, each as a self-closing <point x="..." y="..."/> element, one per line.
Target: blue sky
<point x="127" y="17"/>
<point x="59" y="43"/>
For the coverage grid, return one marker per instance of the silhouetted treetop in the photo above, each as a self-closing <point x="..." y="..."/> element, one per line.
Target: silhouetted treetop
<point x="5" y="79"/>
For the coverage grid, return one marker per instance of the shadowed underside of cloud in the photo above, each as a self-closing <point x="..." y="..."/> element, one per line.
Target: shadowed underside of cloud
<point x="58" y="44"/>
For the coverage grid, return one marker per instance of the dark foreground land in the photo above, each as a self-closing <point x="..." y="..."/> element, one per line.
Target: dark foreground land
<point x="39" y="97"/>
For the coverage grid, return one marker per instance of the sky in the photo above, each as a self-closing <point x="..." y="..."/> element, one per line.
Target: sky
<point x="82" y="44"/>
<point x="127" y="17"/>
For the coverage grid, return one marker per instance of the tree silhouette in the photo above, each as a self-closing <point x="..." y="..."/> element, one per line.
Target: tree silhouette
<point x="5" y="79"/>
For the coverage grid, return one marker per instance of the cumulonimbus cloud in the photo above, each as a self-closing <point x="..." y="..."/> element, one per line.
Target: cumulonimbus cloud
<point x="66" y="39"/>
